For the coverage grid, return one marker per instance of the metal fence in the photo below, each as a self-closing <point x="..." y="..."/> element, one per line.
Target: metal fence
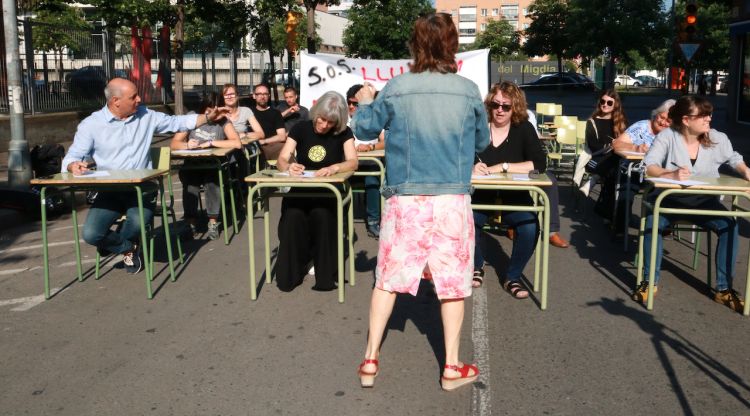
<point x="72" y="77"/>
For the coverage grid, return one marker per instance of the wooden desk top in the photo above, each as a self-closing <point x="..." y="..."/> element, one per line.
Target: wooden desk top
<point x="628" y="155"/>
<point x="723" y="183"/>
<point x="133" y="176"/>
<point x="274" y="176"/>
<point x="548" y="136"/>
<point x="374" y="153"/>
<point x="247" y="141"/>
<point x="507" y="179"/>
<point x="211" y="152"/>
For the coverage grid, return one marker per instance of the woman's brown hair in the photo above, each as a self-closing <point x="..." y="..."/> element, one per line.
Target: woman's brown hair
<point x="619" y="123"/>
<point x="691" y="105"/>
<point x="516" y="96"/>
<point x="434" y="44"/>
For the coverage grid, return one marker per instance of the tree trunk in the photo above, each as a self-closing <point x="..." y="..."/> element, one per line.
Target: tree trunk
<point x="559" y="69"/>
<point x="179" y="35"/>
<point x="311" y="47"/>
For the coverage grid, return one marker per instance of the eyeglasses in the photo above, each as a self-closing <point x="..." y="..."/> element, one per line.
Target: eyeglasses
<point x="494" y="106"/>
<point x="230" y="95"/>
<point x="608" y="103"/>
<point x="353" y="103"/>
<point x="704" y="115"/>
<point x="261" y="93"/>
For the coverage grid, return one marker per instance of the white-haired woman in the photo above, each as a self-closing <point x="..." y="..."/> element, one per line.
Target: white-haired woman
<point x="639" y="136"/>
<point x="307" y="228"/>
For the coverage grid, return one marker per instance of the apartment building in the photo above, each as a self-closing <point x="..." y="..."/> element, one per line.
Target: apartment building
<point x="471" y="16"/>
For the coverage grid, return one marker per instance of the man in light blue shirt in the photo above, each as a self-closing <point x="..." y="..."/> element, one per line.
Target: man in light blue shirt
<point x="119" y="137"/>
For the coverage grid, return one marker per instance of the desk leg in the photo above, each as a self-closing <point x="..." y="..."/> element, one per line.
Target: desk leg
<point x="545" y="243"/>
<point x="350" y="232"/>
<point x="232" y="202"/>
<point x="144" y="243"/>
<point x="223" y="204"/>
<point x="340" y="243"/>
<point x="626" y="231"/>
<point x="45" y="248"/>
<point x="746" y="309"/>
<point x="251" y="243"/>
<point x="538" y="248"/>
<point x="165" y="224"/>
<point x="76" y="242"/>
<point x="652" y="270"/>
<point x="267" y="238"/>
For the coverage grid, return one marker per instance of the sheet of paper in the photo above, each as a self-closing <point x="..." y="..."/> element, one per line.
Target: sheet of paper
<point x="93" y="174"/>
<point x="627" y="152"/>
<point x="676" y="182"/>
<point x="305" y="174"/>
<point x="521" y="177"/>
<point x="485" y="176"/>
<point x="192" y="152"/>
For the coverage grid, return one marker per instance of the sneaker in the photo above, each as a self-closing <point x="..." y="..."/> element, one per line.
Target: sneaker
<point x="731" y="299"/>
<point x="213" y="230"/>
<point x="132" y="261"/>
<point x="311" y="272"/>
<point x="641" y="293"/>
<point x="373" y="230"/>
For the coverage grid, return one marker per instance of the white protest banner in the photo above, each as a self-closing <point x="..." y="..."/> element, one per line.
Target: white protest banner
<point x="321" y="72"/>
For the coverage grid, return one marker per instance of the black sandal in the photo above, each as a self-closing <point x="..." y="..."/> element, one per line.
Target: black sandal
<point x="516" y="290"/>
<point x="478" y="279"/>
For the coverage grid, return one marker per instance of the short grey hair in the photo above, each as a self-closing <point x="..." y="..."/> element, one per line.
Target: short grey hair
<point x="112" y="91"/>
<point x="662" y="108"/>
<point x="332" y="107"/>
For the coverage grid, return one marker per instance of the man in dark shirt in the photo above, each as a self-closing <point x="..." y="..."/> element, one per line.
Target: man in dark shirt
<point x="291" y="111"/>
<point x="270" y="121"/>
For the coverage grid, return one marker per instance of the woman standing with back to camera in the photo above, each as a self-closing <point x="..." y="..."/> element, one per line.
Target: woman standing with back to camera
<point x="427" y="218"/>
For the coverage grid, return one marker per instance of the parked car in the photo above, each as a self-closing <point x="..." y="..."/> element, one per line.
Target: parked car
<point x="89" y="81"/>
<point x="627" y="81"/>
<point x="567" y="81"/>
<point x="648" y="81"/>
<point x="281" y="78"/>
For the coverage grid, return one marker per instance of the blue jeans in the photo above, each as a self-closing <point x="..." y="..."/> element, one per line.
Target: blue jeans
<point x="372" y="199"/>
<point x="107" y="208"/>
<point x="726" y="249"/>
<point x="527" y="231"/>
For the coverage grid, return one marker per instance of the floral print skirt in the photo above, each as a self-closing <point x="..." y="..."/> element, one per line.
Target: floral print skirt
<point x="426" y="230"/>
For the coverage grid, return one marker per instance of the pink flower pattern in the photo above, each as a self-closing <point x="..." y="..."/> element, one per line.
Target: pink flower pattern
<point x="432" y="230"/>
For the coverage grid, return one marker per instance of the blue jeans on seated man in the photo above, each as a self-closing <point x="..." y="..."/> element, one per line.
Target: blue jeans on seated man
<point x="107" y="208"/>
<point x="527" y="232"/>
<point x="726" y="248"/>
<point x="372" y="202"/>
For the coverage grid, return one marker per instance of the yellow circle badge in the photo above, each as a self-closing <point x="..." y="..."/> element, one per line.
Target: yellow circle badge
<point x="316" y="153"/>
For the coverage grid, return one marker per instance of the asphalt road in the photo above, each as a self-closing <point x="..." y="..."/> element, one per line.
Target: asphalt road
<point x="202" y="347"/>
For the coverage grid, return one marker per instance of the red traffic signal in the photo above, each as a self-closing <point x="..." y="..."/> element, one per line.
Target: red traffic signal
<point x="691" y="18"/>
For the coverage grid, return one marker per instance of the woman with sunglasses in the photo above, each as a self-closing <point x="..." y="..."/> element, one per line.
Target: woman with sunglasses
<point x="691" y="148"/>
<point x="605" y="124"/>
<point x="514" y="148"/>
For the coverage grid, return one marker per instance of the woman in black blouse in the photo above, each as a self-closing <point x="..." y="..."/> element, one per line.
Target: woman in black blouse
<point x="307" y="228"/>
<point x="514" y="148"/>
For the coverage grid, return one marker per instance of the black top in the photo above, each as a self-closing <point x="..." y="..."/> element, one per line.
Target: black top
<point x="316" y="151"/>
<point x="597" y="139"/>
<point x="293" y="118"/>
<point x="521" y="145"/>
<point x="270" y="120"/>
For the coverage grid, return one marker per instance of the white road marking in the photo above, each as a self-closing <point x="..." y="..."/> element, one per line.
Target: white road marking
<point x="26" y="303"/>
<point x="481" y="403"/>
<point x="13" y="271"/>
<point x="37" y="246"/>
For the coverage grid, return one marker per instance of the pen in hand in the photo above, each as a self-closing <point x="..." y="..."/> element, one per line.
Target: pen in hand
<point x="483" y="168"/>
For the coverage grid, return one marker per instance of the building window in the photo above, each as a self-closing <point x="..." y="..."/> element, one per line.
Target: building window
<point x="467" y="14"/>
<point x="484" y="26"/>
<point x="495" y="12"/>
<point x="510" y="12"/>
<point x="484" y="13"/>
<point x="467" y="32"/>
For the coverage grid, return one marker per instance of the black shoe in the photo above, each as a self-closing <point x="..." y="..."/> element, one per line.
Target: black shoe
<point x="373" y="231"/>
<point x="133" y="262"/>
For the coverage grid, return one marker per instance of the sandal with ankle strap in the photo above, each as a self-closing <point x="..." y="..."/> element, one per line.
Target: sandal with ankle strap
<point x="452" y="383"/>
<point x="516" y="290"/>
<point x="367" y="379"/>
<point x="477" y="279"/>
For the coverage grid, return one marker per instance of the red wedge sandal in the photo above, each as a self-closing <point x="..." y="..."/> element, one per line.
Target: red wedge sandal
<point x="452" y="383"/>
<point x="367" y="379"/>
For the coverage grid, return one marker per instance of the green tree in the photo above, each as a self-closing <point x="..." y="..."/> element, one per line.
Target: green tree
<point x="500" y="38"/>
<point x="711" y="31"/>
<point x="614" y="27"/>
<point x="55" y="30"/>
<point x="548" y="33"/>
<point x="310" y="6"/>
<point x="380" y="29"/>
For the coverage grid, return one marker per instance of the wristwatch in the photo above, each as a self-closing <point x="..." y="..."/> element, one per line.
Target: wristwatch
<point x="505" y="167"/>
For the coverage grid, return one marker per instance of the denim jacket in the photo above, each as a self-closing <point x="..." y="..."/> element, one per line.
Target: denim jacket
<point x="435" y="123"/>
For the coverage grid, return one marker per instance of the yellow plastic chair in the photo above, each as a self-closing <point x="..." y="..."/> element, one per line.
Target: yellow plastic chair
<point x="565" y="121"/>
<point x="568" y="147"/>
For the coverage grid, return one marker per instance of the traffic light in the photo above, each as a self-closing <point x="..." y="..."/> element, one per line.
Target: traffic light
<point x="691" y="18"/>
<point x="293" y="20"/>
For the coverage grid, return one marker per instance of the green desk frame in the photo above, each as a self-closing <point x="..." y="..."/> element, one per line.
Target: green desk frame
<point x="376" y="157"/>
<point x="271" y="179"/>
<point x="734" y="187"/>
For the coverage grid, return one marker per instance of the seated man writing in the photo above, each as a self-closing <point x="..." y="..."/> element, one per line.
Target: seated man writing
<point x="118" y="137"/>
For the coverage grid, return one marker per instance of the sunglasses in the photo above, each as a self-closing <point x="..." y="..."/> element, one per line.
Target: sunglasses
<point x="354" y="103"/>
<point x="701" y="115"/>
<point x="608" y="103"/>
<point x="494" y="106"/>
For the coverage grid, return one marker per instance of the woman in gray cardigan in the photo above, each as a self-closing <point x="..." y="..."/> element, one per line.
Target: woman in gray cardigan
<point x="691" y="148"/>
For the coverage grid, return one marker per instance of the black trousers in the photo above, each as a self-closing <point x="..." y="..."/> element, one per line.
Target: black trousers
<point x="307" y="231"/>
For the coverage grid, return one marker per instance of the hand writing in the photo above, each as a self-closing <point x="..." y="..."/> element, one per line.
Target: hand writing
<point x="192" y="143"/>
<point x="681" y="174"/>
<point x="296" y="169"/>
<point x="78" y="168"/>
<point x="481" y="169"/>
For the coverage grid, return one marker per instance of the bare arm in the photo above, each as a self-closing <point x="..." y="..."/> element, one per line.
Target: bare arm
<point x="180" y="142"/>
<point x="257" y="132"/>
<point x="624" y="143"/>
<point x="349" y="164"/>
<point x="283" y="164"/>
<point x="232" y="141"/>
<point x="279" y="137"/>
